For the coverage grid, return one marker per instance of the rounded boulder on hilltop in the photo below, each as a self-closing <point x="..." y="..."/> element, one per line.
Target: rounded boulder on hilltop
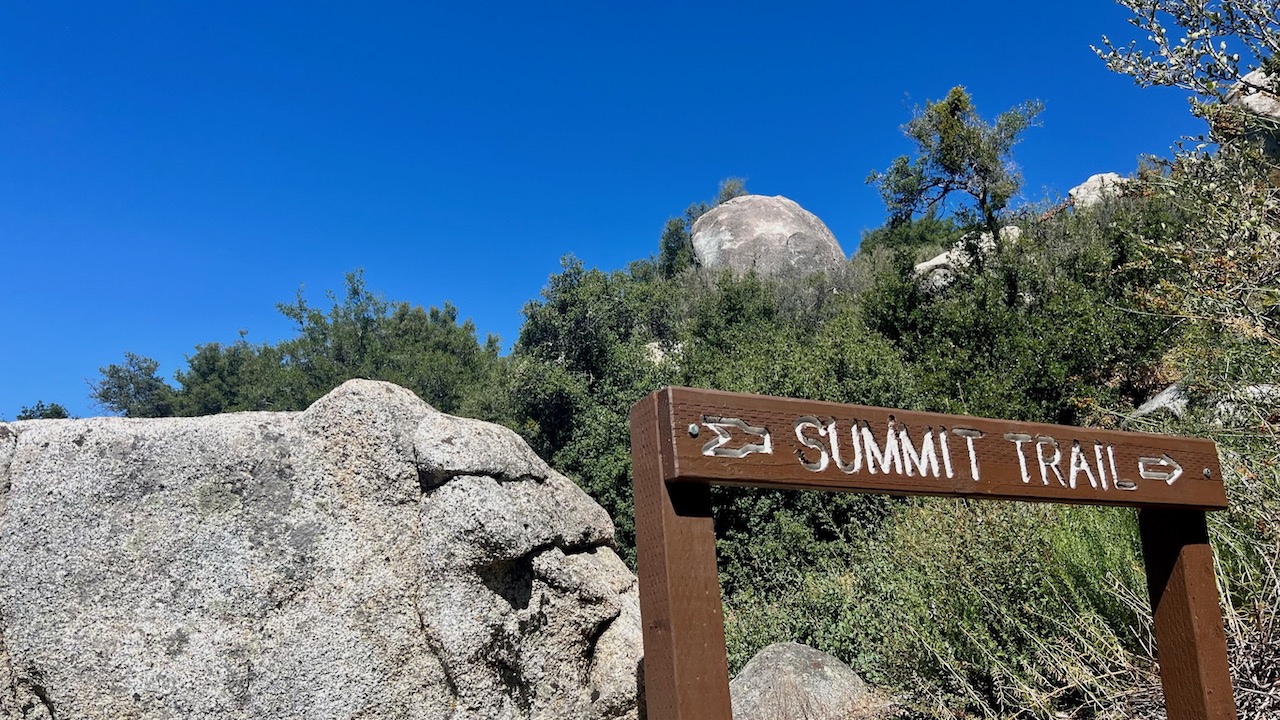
<point x="772" y="235"/>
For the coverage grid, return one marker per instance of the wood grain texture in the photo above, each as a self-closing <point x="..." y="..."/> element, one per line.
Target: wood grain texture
<point x="686" y="671"/>
<point x="685" y="440"/>
<point x="1107" y="467"/>
<point x="1190" y="641"/>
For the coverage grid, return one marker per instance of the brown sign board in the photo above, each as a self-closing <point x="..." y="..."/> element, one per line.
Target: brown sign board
<point x="685" y="440"/>
<point x="738" y="439"/>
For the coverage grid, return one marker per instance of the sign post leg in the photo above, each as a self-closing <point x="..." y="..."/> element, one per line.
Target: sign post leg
<point x="686" y="672"/>
<point x="1190" y="641"/>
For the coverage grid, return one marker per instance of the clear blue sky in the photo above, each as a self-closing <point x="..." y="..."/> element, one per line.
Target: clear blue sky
<point x="169" y="171"/>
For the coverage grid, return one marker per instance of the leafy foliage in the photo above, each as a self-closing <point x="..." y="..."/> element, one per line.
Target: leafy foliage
<point x="962" y="609"/>
<point x="675" y="246"/>
<point x="924" y="236"/>
<point x="1219" y="278"/>
<point x="1222" y="266"/>
<point x="133" y="388"/>
<point x="957" y="152"/>
<point x="1001" y="610"/>
<point x="41" y="411"/>
<point x="584" y="356"/>
<point x="1041" y="332"/>
<point x="1222" y="281"/>
<point x="362" y="335"/>
<point x="1202" y="54"/>
<point x="1208" y="48"/>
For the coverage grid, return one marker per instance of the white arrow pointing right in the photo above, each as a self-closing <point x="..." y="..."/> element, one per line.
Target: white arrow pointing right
<point x="1163" y="473"/>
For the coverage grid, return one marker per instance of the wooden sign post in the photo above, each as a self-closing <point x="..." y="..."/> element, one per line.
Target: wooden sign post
<point x="685" y="440"/>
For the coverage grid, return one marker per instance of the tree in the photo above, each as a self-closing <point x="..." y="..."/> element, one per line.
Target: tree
<point x="133" y="389"/>
<point x="585" y="334"/>
<point x="957" y="151"/>
<point x="239" y="376"/>
<point x="1219" y="265"/>
<point x="585" y="355"/>
<point x="675" y="246"/>
<point x="925" y="232"/>
<point x="1205" y="57"/>
<point x="40" y="411"/>
<point x="1218" y="45"/>
<point x="731" y="188"/>
<point x="362" y="335"/>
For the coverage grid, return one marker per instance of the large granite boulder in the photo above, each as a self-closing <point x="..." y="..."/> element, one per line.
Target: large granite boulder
<point x="1096" y="190"/>
<point x="368" y="558"/>
<point x="1258" y="97"/>
<point x="940" y="270"/>
<point x="1256" y="93"/>
<point x="772" y="235"/>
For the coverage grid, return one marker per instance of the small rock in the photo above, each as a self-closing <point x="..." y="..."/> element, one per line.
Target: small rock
<point x="938" y="272"/>
<point x="658" y="351"/>
<point x="790" y="680"/>
<point x="1243" y="405"/>
<point x="1247" y="405"/>
<point x="1171" y="400"/>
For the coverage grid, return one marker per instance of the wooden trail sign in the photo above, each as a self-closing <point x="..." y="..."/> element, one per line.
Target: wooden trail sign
<point x="685" y="440"/>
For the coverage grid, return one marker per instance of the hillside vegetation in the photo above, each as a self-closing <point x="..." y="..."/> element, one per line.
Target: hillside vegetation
<point x="997" y="609"/>
<point x="961" y="609"/>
